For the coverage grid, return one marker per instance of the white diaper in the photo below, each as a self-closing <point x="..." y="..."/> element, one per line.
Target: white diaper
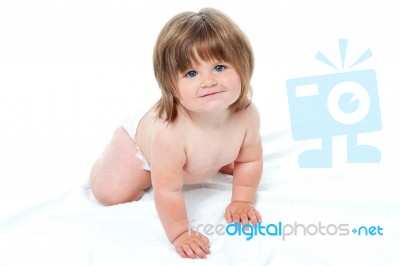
<point x="130" y="123"/>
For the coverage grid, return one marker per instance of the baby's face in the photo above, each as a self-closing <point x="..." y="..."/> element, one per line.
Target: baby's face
<point x="209" y="86"/>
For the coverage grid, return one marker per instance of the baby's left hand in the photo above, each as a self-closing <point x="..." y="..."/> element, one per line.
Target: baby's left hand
<point x="242" y="212"/>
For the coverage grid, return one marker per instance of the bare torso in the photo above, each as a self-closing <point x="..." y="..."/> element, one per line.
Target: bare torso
<point x="206" y="150"/>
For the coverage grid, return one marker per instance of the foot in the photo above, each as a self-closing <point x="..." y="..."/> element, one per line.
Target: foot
<point x="227" y="169"/>
<point x="315" y="159"/>
<point x="363" y="154"/>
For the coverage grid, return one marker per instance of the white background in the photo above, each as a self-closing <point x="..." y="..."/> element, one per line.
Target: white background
<point x="69" y="69"/>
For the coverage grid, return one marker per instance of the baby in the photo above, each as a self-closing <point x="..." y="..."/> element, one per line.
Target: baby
<point x="203" y="123"/>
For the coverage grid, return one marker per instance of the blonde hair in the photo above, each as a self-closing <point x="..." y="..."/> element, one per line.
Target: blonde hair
<point x="206" y="35"/>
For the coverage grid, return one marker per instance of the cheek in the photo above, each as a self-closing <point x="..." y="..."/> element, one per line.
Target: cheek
<point x="184" y="88"/>
<point x="234" y="81"/>
<point x="184" y="94"/>
<point x="237" y="85"/>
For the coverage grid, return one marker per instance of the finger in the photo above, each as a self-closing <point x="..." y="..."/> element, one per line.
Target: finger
<point x="189" y="252"/>
<point x="181" y="253"/>
<point x="244" y="218"/>
<point x="258" y="215"/>
<point x="198" y="251"/>
<point x="252" y="216"/>
<point x="236" y="217"/>
<point x="228" y="215"/>
<point x="204" y="245"/>
<point x="205" y="239"/>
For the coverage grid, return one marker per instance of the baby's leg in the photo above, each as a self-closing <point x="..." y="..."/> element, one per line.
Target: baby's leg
<point x="118" y="175"/>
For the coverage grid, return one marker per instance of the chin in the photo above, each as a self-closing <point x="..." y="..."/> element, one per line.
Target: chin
<point x="212" y="108"/>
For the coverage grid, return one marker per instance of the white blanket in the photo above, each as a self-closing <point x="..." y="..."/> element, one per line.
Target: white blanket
<point x="73" y="229"/>
<point x="69" y="69"/>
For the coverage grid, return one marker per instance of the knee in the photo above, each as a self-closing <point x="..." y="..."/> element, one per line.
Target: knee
<point x="114" y="199"/>
<point x="109" y="194"/>
<point x="110" y="197"/>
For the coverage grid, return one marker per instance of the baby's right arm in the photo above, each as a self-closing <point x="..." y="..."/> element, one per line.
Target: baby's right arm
<point x="172" y="212"/>
<point x="167" y="161"/>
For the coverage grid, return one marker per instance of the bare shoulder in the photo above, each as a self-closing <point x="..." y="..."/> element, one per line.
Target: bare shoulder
<point x="252" y="142"/>
<point x="251" y="117"/>
<point x="167" y="156"/>
<point x="166" y="132"/>
<point x="167" y="140"/>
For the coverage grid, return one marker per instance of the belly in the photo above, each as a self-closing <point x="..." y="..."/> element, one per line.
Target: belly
<point x="201" y="169"/>
<point x="195" y="178"/>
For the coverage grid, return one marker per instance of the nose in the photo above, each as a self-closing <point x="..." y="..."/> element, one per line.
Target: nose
<point x="208" y="81"/>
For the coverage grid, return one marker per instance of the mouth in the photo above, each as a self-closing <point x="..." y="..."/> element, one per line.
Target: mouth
<point x="210" y="94"/>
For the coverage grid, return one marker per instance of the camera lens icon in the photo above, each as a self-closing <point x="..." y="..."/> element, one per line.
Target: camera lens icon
<point x="332" y="105"/>
<point x="348" y="102"/>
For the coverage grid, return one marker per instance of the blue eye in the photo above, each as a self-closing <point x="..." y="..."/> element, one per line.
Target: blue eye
<point x="219" y="68"/>
<point x="191" y="74"/>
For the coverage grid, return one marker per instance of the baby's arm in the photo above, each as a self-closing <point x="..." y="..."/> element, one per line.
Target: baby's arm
<point x="246" y="175"/>
<point x="168" y="159"/>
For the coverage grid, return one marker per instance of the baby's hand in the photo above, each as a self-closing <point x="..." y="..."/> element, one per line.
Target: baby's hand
<point x="192" y="246"/>
<point x="242" y="212"/>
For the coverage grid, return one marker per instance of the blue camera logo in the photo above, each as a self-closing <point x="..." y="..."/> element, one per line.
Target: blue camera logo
<point x="344" y="103"/>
